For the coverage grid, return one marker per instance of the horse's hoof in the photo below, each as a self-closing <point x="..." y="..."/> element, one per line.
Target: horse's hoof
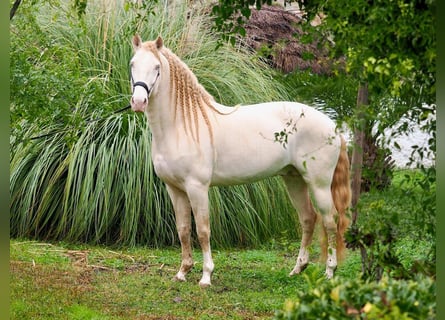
<point x="180" y="277"/>
<point x="297" y="270"/>
<point x="204" y="285"/>
<point x="329" y="273"/>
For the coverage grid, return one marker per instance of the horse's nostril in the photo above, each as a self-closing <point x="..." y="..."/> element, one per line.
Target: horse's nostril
<point x="145" y="100"/>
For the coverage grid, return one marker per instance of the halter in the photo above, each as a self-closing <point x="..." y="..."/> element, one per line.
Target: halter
<point x="143" y="84"/>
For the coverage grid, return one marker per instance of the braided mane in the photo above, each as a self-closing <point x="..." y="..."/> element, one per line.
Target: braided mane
<point x="190" y="98"/>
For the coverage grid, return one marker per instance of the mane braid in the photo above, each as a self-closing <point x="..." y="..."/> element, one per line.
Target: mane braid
<point x="173" y="96"/>
<point x="189" y="96"/>
<point x="183" y="103"/>
<point x="195" y="102"/>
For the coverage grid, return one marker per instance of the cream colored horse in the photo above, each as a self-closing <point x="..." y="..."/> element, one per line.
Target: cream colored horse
<point x="198" y="143"/>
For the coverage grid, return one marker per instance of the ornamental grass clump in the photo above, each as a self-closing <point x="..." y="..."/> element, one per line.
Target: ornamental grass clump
<point x="89" y="177"/>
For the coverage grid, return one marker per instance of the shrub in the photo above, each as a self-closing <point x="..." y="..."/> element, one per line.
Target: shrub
<point x="356" y="299"/>
<point x="389" y="227"/>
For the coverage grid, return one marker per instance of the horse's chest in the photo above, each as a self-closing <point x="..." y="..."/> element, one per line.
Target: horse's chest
<point x="163" y="167"/>
<point x="171" y="169"/>
<point x="178" y="169"/>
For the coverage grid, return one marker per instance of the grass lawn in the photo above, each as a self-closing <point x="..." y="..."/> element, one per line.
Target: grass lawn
<point x="63" y="281"/>
<point x="67" y="281"/>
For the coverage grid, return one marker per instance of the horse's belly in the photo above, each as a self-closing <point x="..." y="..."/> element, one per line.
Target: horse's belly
<point x="248" y="168"/>
<point x="239" y="178"/>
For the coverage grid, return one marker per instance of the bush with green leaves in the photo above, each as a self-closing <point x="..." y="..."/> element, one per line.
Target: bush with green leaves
<point x="355" y="299"/>
<point x="91" y="179"/>
<point x="389" y="227"/>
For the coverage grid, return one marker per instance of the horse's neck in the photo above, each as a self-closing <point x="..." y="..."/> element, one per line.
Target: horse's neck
<point x="170" y="132"/>
<point x="159" y="112"/>
<point x="160" y="119"/>
<point x="173" y="125"/>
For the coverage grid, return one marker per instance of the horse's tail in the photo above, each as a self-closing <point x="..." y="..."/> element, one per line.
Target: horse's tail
<point x="341" y="194"/>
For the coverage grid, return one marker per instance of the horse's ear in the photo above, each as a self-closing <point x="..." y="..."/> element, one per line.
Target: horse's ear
<point x="159" y="42"/>
<point x="137" y="42"/>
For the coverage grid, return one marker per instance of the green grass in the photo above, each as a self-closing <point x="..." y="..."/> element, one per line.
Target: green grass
<point x="63" y="281"/>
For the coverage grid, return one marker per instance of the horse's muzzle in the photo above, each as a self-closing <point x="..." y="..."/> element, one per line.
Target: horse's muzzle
<point x="139" y="101"/>
<point x="138" y="104"/>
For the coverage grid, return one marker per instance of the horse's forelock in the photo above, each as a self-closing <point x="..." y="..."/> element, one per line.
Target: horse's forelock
<point x="151" y="46"/>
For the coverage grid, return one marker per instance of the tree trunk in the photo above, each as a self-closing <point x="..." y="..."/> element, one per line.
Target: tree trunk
<point x="357" y="153"/>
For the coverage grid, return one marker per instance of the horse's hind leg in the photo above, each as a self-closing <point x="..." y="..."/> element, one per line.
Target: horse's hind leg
<point x="325" y="204"/>
<point x="182" y="208"/>
<point x="299" y="196"/>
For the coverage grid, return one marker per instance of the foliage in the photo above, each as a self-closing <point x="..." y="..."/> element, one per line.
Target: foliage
<point x="377" y="247"/>
<point x="91" y="179"/>
<point x="391" y="46"/>
<point x="355" y="299"/>
<point x="79" y="6"/>
<point x="385" y="229"/>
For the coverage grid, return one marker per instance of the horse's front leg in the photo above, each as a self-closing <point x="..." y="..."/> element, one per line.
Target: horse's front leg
<point x="199" y="199"/>
<point x="182" y="208"/>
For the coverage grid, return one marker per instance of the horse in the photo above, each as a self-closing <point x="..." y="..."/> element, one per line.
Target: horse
<point x="198" y="143"/>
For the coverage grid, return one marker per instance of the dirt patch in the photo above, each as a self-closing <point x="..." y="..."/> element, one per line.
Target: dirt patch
<point x="51" y="277"/>
<point x="80" y="260"/>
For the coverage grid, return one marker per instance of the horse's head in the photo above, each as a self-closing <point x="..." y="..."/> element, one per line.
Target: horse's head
<point x="145" y="70"/>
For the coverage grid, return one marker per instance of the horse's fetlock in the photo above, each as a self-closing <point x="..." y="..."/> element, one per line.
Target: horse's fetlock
<point x="208" y="267"/>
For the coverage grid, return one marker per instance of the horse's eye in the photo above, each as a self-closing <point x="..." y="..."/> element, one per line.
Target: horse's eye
<point x="157" y="67"/>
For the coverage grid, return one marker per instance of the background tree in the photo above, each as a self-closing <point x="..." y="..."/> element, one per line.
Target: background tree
<point x="390" y="47"/>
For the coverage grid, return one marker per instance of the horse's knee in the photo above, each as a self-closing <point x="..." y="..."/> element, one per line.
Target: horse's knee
<point x="184" y="233"/>
<point x="203" y="235"/>
<point x="308" y="222"/>
<point x="187" y="264"/>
